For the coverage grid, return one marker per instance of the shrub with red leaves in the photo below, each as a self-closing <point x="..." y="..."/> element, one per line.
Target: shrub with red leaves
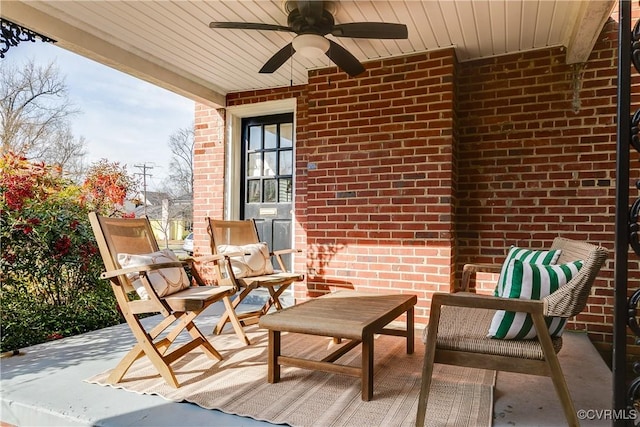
<point x="48" y="254"/>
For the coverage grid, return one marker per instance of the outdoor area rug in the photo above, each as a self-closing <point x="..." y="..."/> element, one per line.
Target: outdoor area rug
<point x="238" y="385"/>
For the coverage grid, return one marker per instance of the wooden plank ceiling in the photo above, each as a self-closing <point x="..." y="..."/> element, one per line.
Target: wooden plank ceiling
<point x="170" y="43"/>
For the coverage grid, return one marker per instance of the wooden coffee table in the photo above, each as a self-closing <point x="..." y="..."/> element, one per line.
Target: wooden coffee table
<point x="355" y="316"/>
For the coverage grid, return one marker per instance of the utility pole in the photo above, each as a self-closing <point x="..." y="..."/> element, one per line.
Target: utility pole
<point x="144" y="174"/>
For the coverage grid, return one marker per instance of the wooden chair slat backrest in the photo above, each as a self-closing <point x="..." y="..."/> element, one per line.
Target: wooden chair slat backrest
<point x="232" y="233"/>
<point x="119" y="235"/>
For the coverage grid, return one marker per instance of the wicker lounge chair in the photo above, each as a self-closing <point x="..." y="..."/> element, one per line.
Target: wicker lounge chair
<point x="459" y="323"/>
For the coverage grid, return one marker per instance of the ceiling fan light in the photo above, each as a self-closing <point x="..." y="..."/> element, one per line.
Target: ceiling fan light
<point x="311" y="45"/>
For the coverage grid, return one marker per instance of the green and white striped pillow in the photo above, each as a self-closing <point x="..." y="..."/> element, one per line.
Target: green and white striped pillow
<point x="524" y="255"/>
<point x="532" y="282"/>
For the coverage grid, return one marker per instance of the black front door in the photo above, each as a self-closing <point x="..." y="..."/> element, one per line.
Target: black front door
<point x="267" y="171"/>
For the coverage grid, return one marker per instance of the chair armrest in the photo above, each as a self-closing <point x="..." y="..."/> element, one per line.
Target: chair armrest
<point x="488" y="302"/>
<point x="140" y="269"/>
<point x="482" y="268"/>
<point x="278" y="254"/>
<point x="470" y="270"/>
<point x="222" y="266"/>
<point x="286" y="251"/>
<point x="216" y="257"/>
<point x="207" y="258"/>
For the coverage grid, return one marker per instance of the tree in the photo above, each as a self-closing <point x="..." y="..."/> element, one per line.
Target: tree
<point x="179" y="184"/>
<point x="107" y="185"/>
<point x="181" y="143"/>
<point x="66" y="151"/>
<point x="35" y="110"/>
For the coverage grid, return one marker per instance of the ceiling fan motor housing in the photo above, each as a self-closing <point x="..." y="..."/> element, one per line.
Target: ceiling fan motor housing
<point x="311" y="24"/>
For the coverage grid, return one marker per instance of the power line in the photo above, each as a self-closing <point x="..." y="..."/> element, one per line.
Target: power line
<point x="144" y="167"/>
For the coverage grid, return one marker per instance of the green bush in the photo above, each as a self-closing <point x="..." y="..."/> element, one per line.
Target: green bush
<point x="26" y="320"/>
<point x="50" y="286"/>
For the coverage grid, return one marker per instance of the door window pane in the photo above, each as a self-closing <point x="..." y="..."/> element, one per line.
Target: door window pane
<point x="253" y="191"/>
<point x="254" y="168"/>
<point x="285" y="166"/>
<point x="255" y="137"/>
<point x="270" y="136"/>
<point x="269" y="195"/>
<point x="270" y="163"/>
<point x="286" y="135"/>
<point x="284" y="190"/>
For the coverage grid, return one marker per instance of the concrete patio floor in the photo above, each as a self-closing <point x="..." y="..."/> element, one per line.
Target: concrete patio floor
<point x="44" y="386"/>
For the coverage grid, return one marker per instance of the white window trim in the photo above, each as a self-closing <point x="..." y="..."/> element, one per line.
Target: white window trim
<point x="233" y="151"/>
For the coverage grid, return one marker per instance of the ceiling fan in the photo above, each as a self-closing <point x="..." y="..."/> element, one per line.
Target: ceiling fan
<point x="311" y="21"/>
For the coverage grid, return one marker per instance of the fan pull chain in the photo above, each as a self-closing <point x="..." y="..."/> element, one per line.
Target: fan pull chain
<point x="291" y="68"/>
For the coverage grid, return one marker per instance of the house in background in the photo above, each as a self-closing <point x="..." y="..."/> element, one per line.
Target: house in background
<point x="171" y="217"/>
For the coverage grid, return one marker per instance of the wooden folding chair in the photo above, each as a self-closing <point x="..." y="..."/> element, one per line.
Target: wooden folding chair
<point x="234" y="236"/>
<point x="164" y="288"/>
<point x="459" y="322"/>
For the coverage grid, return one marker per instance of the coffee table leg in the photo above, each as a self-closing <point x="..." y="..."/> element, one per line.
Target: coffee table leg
<point x="410" y="331"/>
<point x="273" y="375"/>
<point x="367" y="367"/>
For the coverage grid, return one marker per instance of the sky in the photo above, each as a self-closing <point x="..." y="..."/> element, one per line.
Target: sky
<point x="123" y="119"/>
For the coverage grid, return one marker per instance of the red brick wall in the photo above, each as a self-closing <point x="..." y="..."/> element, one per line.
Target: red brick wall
<point x="537" y="159"/>
<point x="379" y="178"/>
<point x="422" y="164"/>
<point x="208" y="172"/>
<point x="374" y="191"/>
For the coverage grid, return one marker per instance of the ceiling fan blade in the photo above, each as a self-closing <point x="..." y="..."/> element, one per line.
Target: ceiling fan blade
<point x="344" y="59"/>
<point x="277" y="60"/>
<point x="371" y="30"/>
<point x="249" y="26"/>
